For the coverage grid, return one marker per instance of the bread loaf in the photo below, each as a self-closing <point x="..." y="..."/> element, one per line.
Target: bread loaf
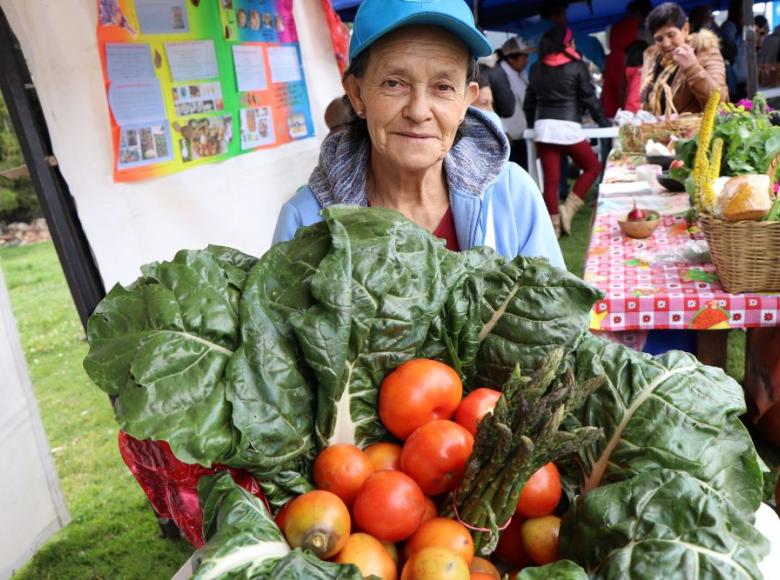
<point x="745" y="197"/>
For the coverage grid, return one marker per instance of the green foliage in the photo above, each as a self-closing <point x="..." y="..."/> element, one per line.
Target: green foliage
<point x="10" y="153"/>
<point x="18" y="200"/>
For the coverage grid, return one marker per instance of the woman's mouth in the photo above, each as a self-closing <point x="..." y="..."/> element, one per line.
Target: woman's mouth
<point x="414" y="135"/>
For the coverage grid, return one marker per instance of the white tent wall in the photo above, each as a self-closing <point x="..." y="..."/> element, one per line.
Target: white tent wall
<point x="31" y="502"/>
<point x="233" y="203"/>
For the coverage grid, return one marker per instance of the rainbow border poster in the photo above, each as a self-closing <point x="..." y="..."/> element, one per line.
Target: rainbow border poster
<point x="199" y="81"/>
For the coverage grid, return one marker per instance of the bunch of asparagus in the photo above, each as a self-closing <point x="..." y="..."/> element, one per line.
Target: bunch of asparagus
<point x="520" y="436"/>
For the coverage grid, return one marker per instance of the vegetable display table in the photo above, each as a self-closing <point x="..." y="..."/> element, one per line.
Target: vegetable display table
<point x="665" y="282"/>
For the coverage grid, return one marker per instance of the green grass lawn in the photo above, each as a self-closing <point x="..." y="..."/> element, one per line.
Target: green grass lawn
<point x="113" y="532"/>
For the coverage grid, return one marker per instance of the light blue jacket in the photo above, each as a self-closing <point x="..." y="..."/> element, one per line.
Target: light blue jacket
<point x="494" y="202"/>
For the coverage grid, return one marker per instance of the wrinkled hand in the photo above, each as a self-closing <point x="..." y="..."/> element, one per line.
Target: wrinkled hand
<point x="684" y="56"/>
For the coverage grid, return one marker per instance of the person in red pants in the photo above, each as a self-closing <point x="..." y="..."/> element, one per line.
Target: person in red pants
<point x="559" y="89"/>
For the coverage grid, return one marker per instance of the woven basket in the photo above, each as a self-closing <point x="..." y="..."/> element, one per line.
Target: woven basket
<point x="746" y="254"/>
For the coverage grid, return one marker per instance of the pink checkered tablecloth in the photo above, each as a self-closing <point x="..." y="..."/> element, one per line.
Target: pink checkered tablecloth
<point x="650" y="284"/>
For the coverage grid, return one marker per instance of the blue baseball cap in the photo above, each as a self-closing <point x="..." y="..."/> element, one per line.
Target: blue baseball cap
<point x="375" y="18"/>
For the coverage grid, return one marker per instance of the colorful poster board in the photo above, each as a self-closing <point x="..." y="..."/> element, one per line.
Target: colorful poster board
<point x="199" y="81"/>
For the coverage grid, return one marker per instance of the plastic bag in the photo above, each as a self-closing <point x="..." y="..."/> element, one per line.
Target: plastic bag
<point x="171" y="485"/>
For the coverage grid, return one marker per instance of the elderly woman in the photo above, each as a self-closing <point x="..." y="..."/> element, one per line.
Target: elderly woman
<point x="686" y="67"/>
<point x="416" y="145"/>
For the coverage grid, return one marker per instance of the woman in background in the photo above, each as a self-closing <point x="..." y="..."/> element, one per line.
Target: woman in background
<point x="689" y="67"/>
<point x="560" y="88"/>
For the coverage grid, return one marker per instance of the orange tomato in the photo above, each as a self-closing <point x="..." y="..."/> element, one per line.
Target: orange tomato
<point x="442" y="532"/>
<point x="389" y="506"/>
<point x="318" y="521"/>
<point x="417" y="392"/>
<point x="540" y="539"/>
<point x="384" y="456"/>
<point x="474" y="406"/>
<point x="430" y="510"/>
<point x="435" y="455"/>
<point x="342" y="469"/>
<point x="281" y="515"/>
<point x="483" y="569"/>
<point x="435" y="563"/>
<point x="541" y="493"/>
<point x="369" y="555"/>
<point x="510" y="544"/>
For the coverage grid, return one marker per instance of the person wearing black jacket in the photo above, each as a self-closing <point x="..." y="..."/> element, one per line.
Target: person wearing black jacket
<point x="560" y="88"/>
<point x="503" y="99"/>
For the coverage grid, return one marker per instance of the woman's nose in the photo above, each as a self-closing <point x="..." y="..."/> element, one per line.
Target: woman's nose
<point x="418" y="108"/>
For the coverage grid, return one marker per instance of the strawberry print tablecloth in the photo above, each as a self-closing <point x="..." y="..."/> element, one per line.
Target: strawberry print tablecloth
<point x="651" y="283"/>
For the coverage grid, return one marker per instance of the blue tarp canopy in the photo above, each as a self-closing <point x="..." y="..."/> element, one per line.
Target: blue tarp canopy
<point x="507" y="15"/>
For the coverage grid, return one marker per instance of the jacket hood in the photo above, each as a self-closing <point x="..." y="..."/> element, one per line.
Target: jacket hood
<point x="474" y="162"/>
<point x="561" y="58"/>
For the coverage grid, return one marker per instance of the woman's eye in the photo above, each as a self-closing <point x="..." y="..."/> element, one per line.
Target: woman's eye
<point x="445" y="87"/>
<point x="392" y="84"/>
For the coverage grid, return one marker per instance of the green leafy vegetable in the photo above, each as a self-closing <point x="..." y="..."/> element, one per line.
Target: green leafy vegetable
<point x="666" y="412"/>
<point x="560" y="570"/>
<point x="659" y="524"/>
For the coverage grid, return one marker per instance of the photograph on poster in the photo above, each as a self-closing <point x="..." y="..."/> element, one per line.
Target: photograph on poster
<point x="205" y="137"/>
<point x="257" y="127"/>
<point x="296" y="125"/>
<point x="110" y="14"/>
<point x="162" y="16"/>
<point x="197" y="99"/>
<point x="143" y="144"/>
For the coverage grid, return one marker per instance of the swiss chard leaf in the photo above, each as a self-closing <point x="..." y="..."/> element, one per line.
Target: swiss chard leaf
<point x="666" y="412"/>
<point x="560" y="570"/>
<point x="161" y="348"/>
<point x="661" y="523"/>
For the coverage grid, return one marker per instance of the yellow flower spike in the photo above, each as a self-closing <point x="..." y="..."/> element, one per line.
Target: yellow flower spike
<point x="701" y="165"/>
<point x="708" y="189"/>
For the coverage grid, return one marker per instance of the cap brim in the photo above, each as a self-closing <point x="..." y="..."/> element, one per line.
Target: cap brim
<point x="476" y="42"/>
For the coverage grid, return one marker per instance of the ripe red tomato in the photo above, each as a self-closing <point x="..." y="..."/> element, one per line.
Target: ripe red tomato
<point x="510" y="544"/>
<point x="541" y="493"/>
<point x="417" y="392"/>
<point x="342" y="469"/>
<point x="474" y="406"/>
<point x="435" y="456"/>
<point x="384" y="456"/>
<point x="389" y="506"/>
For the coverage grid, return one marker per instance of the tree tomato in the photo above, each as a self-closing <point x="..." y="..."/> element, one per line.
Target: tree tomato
<point x="430" y="510"/>
<point x="483" y="569"/>
<point x="436" y="563"/>
<point x="317" y="521"/>
<point x="369" y="555"/>
<point x="541" y="493"/>
<point x="435" y="456"/>
<point x="384" y="456"/>
<point x="474" y="406"/>
<point x="540" y="539"/>
<point x="342" y="469"/>
<point x="510" y="544"/>
<point x="417" y="392"/>
<point x="442" y="532"/>
<point x="389" y="506"/>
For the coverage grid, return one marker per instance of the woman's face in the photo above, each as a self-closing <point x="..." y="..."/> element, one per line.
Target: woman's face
<point x="413" y="95"/>
<point x="669" y="37"/>
<point x="484" y="99"/>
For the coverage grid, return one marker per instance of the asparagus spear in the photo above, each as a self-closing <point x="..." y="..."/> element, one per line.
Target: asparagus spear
<point x="520" y="436"/>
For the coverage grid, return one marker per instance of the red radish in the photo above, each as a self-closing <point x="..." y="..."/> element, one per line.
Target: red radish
<point x="636" y="214"/>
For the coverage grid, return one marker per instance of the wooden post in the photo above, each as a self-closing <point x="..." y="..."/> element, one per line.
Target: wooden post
<point x="749" y="35"/>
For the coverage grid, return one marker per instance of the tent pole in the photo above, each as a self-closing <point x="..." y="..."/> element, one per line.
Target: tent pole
<point x="749" y="36"/>
<point x="476" y="13"/>
<point x="81" y="273"/>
